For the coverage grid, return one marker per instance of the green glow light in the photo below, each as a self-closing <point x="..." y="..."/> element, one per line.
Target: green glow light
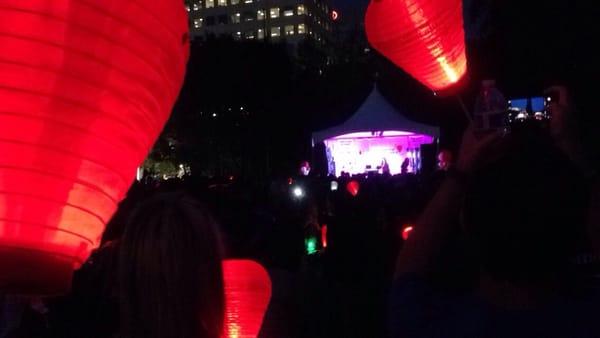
<point x="311" y="245"/>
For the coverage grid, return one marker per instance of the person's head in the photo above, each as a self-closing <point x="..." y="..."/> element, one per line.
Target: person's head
<point x="170" y="273"/>
<point x="115" y="227"/>
<point x="524" y="212"/>
<point x="444" y="159"/>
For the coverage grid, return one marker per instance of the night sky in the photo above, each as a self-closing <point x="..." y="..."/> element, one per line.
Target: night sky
<point x="349" y="5"/>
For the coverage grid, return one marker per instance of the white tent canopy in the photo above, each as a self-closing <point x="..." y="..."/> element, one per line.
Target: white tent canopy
<point x="375" y="115"/>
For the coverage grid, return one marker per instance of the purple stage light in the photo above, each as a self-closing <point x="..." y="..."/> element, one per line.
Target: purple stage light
<point x="368" y="152"/>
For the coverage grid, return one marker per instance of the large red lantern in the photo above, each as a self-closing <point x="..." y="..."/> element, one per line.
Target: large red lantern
<point x="86" y="87"/>
<point x="424" y="37"/>
<point x="406" y="231"/>
<point x="353" y="187"/>
<point x="247" y="296"/>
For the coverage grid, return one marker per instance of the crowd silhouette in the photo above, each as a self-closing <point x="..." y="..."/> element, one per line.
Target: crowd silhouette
<point x="504" y="243"/>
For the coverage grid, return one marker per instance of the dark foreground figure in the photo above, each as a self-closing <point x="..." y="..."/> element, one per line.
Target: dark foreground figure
<point x="521" y="205"/>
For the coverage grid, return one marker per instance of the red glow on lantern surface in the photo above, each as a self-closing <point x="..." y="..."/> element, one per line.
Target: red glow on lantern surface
<point x="406" y="232"/>
<point x="335" y="15"/>
<point x="247" y="296"/>
<point x="353" y="187"/>
<point x="423" y="37"/>
<point x="85" y="89"/>
<point x="324" y="235"/>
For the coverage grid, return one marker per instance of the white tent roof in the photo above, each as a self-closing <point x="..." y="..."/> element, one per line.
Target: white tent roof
<point x="375" y="114"/>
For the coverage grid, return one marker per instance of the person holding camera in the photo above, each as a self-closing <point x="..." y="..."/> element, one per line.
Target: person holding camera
<point x="522" y="199"/>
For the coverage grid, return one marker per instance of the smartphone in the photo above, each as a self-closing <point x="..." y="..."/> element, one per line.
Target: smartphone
<point x="530" y="110"/>
<point x="528" y="104"/>
<point x="531" y="107"/>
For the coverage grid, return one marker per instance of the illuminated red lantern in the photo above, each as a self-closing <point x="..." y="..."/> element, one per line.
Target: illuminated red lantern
<point x="353" y="187"/>
<point x="324" y="236"/>
<point x="247" y="295"/>
<point x="406" y="232"/>
<point x="85" y="89"/>
<point x="423" y="37"/>
<point x="335" y="15"/>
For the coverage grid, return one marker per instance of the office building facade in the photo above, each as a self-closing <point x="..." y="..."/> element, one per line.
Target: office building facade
<point x="291" y="21"/>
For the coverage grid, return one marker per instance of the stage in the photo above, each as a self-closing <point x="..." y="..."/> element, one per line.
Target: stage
<point x="376" y="134"/>
<point x="368" y="152"/>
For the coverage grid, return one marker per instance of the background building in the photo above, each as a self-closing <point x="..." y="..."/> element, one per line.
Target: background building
<point x="292" y="21"/>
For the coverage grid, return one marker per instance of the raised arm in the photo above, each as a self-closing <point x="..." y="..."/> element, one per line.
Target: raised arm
<point x="435" y="224"/>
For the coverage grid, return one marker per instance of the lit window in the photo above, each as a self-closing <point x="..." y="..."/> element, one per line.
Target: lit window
<point x="222" y="2"/>
<point x="248" y="16"/>
<point x="198" y="23"/>
<point x="301" y="10"/>
<point x="275" y="31"/>
<point x="274" y="12"/>
<point x="247" y="1"/>
<point x="235" y="18"/>
<point x="195" y="7"/>
<point x="250" y="35"/>
<point x="260" y="14"/>
<point x="261" y="34"/>
<point x="301" y="28"/>
<point x="238" y="35"/>
<point x="288" y="12"/>
<point x="210" y="3"/>
<point x="289" y="30"/>
<point x="235" y="2"/>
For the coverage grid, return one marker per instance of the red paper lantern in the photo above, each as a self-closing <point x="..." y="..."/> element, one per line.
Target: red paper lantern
<point x="247" y="295"/>
<point x="86" y="87"/>
<point x="324" y="236"/>
<point x="424" y="37"/>
<point x="353" y="188"/>
<point x="406" y="232"/>
<point x="335" y="15"/>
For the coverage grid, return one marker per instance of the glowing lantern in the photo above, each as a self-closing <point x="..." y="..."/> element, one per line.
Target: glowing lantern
<point x="310" y="244"/>
<point x="424" y="37"/>
<point x="335" y="15"/>
<point x="353" y="187"/>
<point x="406" y="232"/>
<point x="324" y="236"/>
<point x="247" y="295"/>
<point x="85" y="89"/>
